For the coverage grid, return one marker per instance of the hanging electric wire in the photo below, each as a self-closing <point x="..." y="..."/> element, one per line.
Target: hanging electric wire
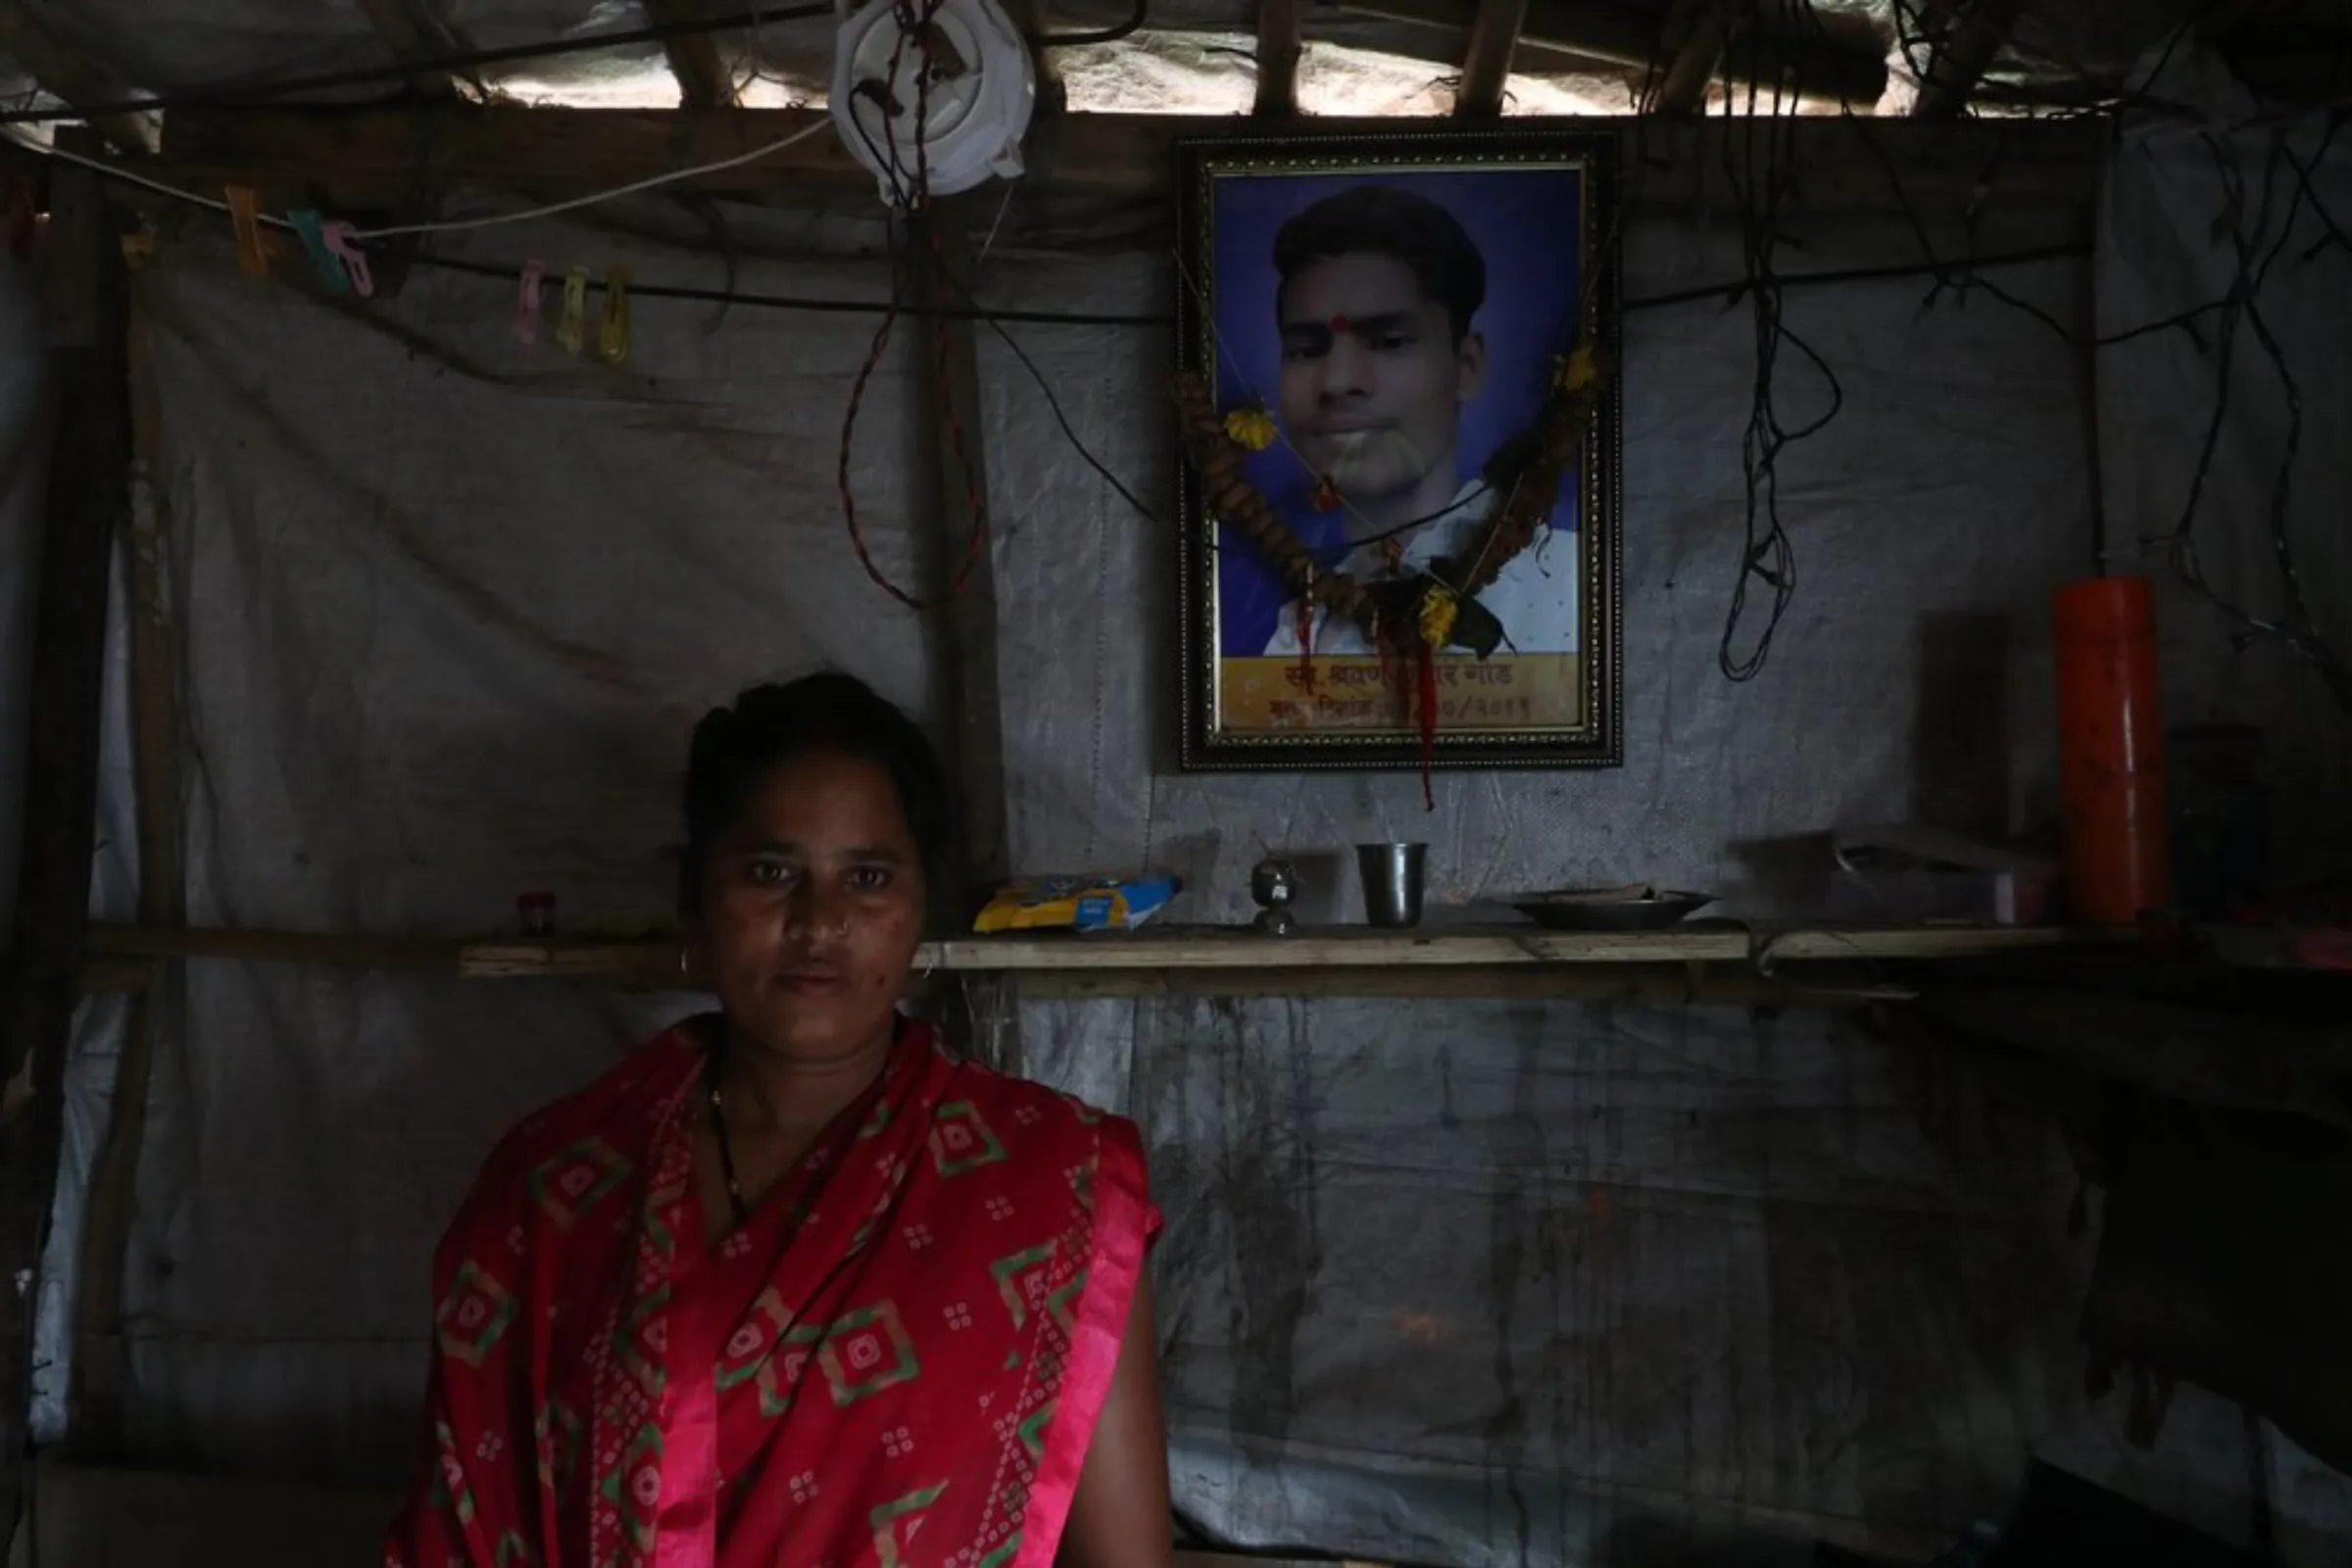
<point x="1115" y="34"/>
<point x="1760" y="169"/>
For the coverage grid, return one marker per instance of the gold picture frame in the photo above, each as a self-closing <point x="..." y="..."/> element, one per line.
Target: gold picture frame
<point x="1383" y="438"/>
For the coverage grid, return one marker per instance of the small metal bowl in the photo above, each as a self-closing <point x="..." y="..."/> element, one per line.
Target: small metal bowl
<point x="1635" y="908"/>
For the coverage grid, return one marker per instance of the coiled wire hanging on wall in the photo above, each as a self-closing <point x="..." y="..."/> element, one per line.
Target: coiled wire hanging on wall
<point x="932" y="96"/>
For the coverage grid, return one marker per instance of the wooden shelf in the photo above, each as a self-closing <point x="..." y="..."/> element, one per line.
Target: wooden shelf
<point x="1167" y="950"/>
<point x="2096" y="1001"/>
<point x="1456" y="947"/>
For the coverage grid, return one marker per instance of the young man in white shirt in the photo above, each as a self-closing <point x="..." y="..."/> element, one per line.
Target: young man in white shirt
<point x="1379" y="295"/>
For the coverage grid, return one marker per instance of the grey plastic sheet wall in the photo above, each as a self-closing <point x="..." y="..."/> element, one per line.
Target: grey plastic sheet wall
<point x="2269" y="496"/>
<point x="1469" y="1284"/>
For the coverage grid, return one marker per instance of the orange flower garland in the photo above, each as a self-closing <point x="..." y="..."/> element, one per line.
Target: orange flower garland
<point x="1219" y="445"/>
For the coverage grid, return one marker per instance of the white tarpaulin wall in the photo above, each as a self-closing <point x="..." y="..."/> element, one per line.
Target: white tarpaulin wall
<point x="1465" y="1284"/>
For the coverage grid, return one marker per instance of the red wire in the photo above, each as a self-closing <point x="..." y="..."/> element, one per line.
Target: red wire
<point x="1307" y="634"/>
<point x="1429" y="722"/>
<point x="943" y="385"/>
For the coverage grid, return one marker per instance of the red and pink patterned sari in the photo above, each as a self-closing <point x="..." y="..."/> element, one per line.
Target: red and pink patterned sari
<point x="896" y="1363"/>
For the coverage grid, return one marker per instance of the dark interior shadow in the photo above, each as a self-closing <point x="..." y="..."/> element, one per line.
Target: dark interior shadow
<point x="1782" y="878"/>
<point x="1960" y="740"/>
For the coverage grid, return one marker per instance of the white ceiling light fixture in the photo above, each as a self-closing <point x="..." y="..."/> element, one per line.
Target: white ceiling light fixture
<point x="981" y="91"/>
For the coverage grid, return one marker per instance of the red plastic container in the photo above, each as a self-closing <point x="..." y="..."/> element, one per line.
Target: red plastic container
<point x="2111" y="751"/>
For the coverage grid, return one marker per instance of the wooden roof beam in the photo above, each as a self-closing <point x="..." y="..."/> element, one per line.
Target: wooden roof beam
<point x="62" y="71"/>
<point x="1960" y="56"/>
<point x="1695" y="33"/>
<point x="1281" y="29"/>
<point x="358" y="158"/>
<point x="1487" y="58"/>
<point x="411" y="33"/>
<point x="1824" y="67"/>
<point x="704" y="79"/>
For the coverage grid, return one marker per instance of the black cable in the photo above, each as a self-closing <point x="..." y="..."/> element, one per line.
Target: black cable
<point x="1728" y="292"/>
<point x="2298" y="612"/>
<point x="237" y="96"/>
<point x="1062" y="420"/>
<point x="1967" y="274"/>
<point x="2335" y="75"/>
<point x="1910" y="35"/>
<point x="792" y="302"/>
<point x="2185" y="546"/>
<point x="2334" y="235"/>
<point x="1919" y="40"/>
<point x="1125" y="30"/>
<point x="1654" y="68"/>
<point x="1768" y="556"/>
<point x="1475" y="492"/>
<point x="996" y="325"/>
<point x="2294" y="626"/>
<point x="1732" y="291"/>
<point x="1961" y="278"/>
<point x="2306" y="194"/>
<point x="2238" y="305"/>
<point x="904" y="204"/>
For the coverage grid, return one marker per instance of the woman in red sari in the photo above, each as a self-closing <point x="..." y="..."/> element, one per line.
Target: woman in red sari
<point x="792" y="1286"/>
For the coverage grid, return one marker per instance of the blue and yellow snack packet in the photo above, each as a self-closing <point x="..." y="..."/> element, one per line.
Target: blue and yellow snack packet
<point x="1075" y="903"/>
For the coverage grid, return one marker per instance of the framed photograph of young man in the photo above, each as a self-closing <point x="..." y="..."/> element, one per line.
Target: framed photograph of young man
<point x="1388" y="323"/>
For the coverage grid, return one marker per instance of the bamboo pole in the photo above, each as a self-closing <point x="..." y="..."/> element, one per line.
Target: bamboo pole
<point x="1280" y="30"/>
<point x="89" y="487"/>
<point x="101" y="1366"/>
<point x="1487" y="58"/>
<point x="704" y="79"/>
<point x="950" y="416"/>
<point x="1962" y="54"/>
<point x="1700" y="29"/>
